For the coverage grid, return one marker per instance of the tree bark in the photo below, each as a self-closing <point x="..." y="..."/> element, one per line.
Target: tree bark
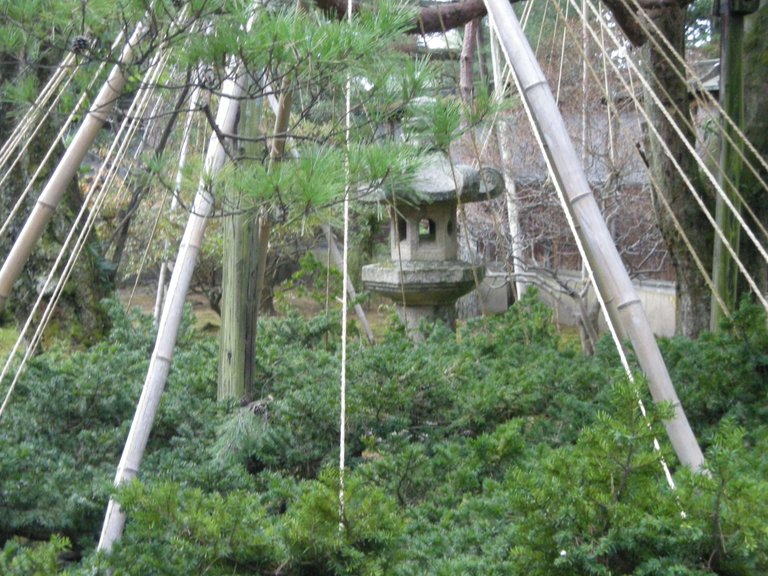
<point x="756" y="123"/>
<point x="693" y="295"/>
<point x="430" y="19"/>
<point x="467" y="59"/>
<point x="238" y="300"/>
<point x="725" y="273"/>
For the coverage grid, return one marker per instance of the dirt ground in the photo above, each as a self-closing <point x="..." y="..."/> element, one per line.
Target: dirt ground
<point x="208" y="320"/>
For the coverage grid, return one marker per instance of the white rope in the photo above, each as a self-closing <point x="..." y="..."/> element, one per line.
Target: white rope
<point x="676" y="223"/>
<point x="691" y="149"/>
<point x="53" y="82"/>
<point x="38" y="124"/>
<point x="705" y="96"/>
<point x="123" y="141"/>
<point x="580" y="246"/>
<point x="344" y="293"/>
<point x="20" y="201"/>
<point x="673" y="160"/>
<point x="59" y="136"/>
<point x="668" y="52"/>
<point x="159" y="68"/>
<point x="541" y="27"/>
<point x="612" y="110"/>
<point x="606" y="91"/>
<point x="32" y="113"/>
<point x="57" y="290"/>
<point x="29" y="137"/>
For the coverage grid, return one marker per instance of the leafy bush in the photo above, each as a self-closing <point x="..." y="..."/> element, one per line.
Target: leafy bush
<point x="723" y="374"/>
<point x="63" y="433"/>
<point x="494" y="451"/>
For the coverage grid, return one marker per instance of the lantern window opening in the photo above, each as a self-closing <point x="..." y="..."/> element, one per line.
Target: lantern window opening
<point x="427" y="230"/>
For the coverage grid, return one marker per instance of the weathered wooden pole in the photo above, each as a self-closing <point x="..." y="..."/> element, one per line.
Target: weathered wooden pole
<point x="239" y="301"/>
<point x="57" y="184"/>
<point x="160" y="362"/>
<point x="611" y="277"/>
<point x="725" y="273"/>
<point x="245" y="263"/>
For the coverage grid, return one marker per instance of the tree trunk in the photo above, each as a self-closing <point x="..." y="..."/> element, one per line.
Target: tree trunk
<point x="756" y="123"/>
<point x="725" y="273"/>
<point x="239" y="308"/>
<point x="467" y="72"/>
<point x="693" y="296"/>
<point x="239" y="298"/>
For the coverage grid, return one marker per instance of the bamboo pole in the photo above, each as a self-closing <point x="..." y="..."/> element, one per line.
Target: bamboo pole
<point x="611" y="277"/>
<point x="165" y="266"/>
<point x="57" y="184"/>
<point x="160" y="363"/>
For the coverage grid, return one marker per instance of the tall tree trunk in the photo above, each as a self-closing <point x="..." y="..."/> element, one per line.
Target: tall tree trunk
<point x="246" y="243"/>
<point x="693" y="296"/>
<point x="239" y="298"/>
<point x="756" y="123"/>
<point x="239" y="308"/>
<point x="725" y="273"/>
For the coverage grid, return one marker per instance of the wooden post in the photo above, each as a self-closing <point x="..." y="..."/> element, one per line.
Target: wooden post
<point x="610" y="275"/>
<point x="239" y="300"/>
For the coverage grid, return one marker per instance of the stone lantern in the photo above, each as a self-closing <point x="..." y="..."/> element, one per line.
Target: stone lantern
<point x="424" y="276"/>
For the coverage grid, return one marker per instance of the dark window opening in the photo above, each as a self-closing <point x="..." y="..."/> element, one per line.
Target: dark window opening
<point x="450" y="227"/>
<point x="427" y="230"/>
<point x="402" y="229"/>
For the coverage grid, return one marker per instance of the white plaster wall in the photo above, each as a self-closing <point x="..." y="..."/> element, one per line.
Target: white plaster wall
<point x="658" y="299"/>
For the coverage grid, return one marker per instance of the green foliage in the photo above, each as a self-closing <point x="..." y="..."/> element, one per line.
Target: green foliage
<point x="494" y="451"/>
<point x="315" y="279"/>
<point x="209" y="533"/>
<point x="723" y="374"/>
<point x="366" y="541"/>
<point x="17" y="558"/>
<point x="62" y="435"/>
<point x="437" y="121"/>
